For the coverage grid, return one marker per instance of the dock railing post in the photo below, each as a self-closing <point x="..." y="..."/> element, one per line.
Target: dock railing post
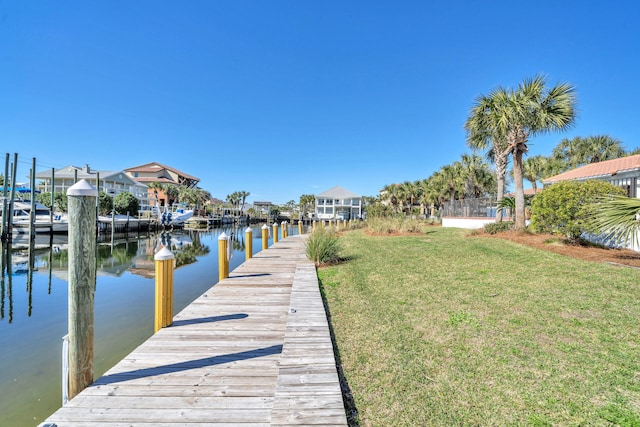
<point x="300" y="226"/>
<point x="265" y="237"/>
<point x="165" y="263"/>
<point x="223" y="260"/>
<point x="248" y="236"/>
<point x="82" y="284"/>
<point x="275" y="232"/>
<point x="285" y="232"/>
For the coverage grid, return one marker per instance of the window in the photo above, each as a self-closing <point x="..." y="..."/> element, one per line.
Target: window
<point x="355" y="202"/>
<point x="329" y="210"/>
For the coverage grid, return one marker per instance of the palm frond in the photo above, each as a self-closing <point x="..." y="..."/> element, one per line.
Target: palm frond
<point x="618" y="218"/>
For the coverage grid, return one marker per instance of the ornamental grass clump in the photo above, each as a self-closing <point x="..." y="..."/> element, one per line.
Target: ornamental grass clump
<point x="323" y="247"/>
<point x="396" y="224"/>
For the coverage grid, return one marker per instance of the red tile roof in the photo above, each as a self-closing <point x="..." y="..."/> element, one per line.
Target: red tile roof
<point x="598" y="170"/>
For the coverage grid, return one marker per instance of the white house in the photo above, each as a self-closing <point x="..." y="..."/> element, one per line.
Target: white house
<point x="338" y="203"/>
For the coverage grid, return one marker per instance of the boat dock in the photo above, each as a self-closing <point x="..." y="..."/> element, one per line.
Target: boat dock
<point x="253" y="350"/>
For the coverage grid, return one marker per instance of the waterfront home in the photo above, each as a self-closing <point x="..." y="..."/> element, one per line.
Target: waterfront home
<point x="111" y="182"/>
<point x="623" y="172"/>
<point x="338" y="203"/>
<point x="161" y="174"/>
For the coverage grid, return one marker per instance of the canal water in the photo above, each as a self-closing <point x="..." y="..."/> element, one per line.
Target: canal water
<point x="33" y="307"/>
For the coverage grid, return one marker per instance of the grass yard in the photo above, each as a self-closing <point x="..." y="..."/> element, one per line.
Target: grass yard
<point x="440" y="329"/>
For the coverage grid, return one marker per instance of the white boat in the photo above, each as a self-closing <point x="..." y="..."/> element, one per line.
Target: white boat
<point x="42" y="218"/>
<point x="174" y="218"/>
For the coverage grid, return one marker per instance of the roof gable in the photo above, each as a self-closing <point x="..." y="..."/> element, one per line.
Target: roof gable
<point x="338" y="192"/>
<point x="155" y="167"/>
<point x="603" y="169"/>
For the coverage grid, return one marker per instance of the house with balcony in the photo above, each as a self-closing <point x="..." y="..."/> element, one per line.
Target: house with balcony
<point x="338" y="203"/>
<point x="154" y="172"/>
<point x="111" y="182"/>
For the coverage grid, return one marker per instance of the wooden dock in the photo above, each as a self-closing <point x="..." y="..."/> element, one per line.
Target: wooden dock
<point x="253" y="350"/>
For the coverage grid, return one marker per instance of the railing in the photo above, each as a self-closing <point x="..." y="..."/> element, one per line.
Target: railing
<point x="485" y="207"/>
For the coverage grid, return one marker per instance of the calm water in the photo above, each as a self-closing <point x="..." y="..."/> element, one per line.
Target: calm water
<point x="33" y="309"/>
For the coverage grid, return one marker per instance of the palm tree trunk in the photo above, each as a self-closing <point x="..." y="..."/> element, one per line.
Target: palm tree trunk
<point x="517" y="178"/>
<point x="501" y="172"/>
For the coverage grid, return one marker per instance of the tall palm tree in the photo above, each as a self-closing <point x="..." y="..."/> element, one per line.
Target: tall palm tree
<point x="529" y="110"/>
<point x="243" y="198"/>
<point x="484" y="134"/>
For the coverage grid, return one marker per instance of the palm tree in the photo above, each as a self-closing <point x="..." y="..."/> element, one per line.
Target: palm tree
<point x="452" y="176"/>
<point x="533" y="169"/>
<point x="243" y="197"/>
<point x="529" y="110"/>
<point x="592" y="149"/>
<point x="478" y="178"/>
<point x="306" y="201"/>
<point x="390" y="193"/>
<point x="484" y="134"/>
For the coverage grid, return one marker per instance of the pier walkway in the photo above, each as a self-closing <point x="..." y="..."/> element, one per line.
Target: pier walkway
<point x="253" y="350"/>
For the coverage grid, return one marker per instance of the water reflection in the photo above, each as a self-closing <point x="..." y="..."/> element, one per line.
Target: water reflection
<point x="113" y="258"/>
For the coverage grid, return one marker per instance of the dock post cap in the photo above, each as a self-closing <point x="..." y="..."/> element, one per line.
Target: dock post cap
<point x="284" y="222"/>
<point x="164" y="254"/>
<point x="223" y="236"/>
<point x="265" y="226"/>
<point x="248" y="230"/>
<point x="82" y="188"/>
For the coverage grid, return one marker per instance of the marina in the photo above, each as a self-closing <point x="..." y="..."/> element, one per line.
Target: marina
<point x="33" y="309"/>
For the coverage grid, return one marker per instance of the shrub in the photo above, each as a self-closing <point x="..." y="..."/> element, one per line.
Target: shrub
<point x="498" y="227"/>
<point x="567" y="207"/>
<point x="323" y="247"/>
<point x="126" y="202"/>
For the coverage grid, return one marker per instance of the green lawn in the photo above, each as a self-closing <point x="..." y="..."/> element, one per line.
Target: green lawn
<point x="442" y="329"/>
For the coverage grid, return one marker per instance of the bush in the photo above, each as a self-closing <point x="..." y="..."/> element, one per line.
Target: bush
<point x="323" y="247"/>
<point x="126" y="202"/>
<point x="567" y="207"/>
<point x="498" y="227"/>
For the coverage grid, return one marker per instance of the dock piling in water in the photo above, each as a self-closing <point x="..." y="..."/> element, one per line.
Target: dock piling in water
<point x="164" y="261"/>
<point x="82" y="283"/>
<point x="265" y="237"/>
<point x="248" y="233"/>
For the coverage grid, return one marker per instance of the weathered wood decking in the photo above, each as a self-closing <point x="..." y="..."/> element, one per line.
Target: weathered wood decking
<point x="254" y="350"/>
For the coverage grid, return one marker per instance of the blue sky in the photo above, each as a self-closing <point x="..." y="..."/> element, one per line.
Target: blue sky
<point x="283" y="98"/>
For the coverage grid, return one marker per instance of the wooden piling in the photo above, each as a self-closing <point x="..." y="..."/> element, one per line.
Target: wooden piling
<point x="223" y="261"/>
<point x="265" y="237"/>
<point x="82" y="282"/>
<point x="275" y="232"/>
<point x="164" y="261"/>
<point x="248" y="234"/>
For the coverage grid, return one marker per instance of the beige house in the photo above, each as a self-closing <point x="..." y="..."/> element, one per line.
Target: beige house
<point x="158" y="173"/>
